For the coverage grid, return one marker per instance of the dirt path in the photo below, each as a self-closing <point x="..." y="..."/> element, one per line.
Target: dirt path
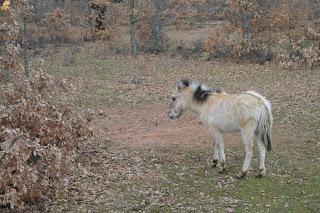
<point x="150" y="126"/>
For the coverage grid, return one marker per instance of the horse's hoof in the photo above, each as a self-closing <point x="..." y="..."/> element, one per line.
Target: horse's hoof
<point x="214" y="163"/>
<point x="222" y="171"/>
<point x="241" y="175"/>
<point x="262" y="172"/>
<point x="259" y="175"/>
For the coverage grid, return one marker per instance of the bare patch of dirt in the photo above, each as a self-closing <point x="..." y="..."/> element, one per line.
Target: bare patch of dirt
<point x="150" y="126"/>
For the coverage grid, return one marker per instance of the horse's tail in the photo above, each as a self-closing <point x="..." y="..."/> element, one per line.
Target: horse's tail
<point x="263" y="130"/>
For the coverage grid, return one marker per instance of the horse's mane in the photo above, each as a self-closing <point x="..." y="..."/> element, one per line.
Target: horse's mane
<point x="201" y="92"/>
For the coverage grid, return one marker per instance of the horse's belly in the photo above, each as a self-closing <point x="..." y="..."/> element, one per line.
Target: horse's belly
<point x="225" y="123"/>
<point x="227" y="126"/>
<point x="223" y="116"/>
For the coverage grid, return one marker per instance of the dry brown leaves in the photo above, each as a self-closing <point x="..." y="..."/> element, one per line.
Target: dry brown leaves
<point x="38" y="141"/>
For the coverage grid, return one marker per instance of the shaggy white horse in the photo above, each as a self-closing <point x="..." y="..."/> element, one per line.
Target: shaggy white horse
<point x="248" y="113"/>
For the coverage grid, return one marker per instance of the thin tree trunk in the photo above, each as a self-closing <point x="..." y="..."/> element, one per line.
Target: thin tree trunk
<point x="60" y="3"/>
<point x="132" y="20"/>
<point x="157" y="26"/>
<point x="245" y="19"/>
<point x="290" y="33"/>
<point x="24" y="48"/>
<point x="90" y="21"/>
<point x="72" y="14"/>
<point x="245" y="24"/>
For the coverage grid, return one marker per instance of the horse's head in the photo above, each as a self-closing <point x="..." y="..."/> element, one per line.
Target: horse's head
<point x="188" y="94"/>
<point x="181" y="96"/>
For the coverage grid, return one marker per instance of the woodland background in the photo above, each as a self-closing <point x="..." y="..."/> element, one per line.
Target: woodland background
<point x="60" y="59"/>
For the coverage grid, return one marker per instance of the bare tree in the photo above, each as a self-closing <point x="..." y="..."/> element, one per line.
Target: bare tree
<point x="60" y="3"/>
<point x="157" y="26"/>
<point x="24" y="48"/>
<point x="88" y="8"/>
<point x="132" y="21"/>
<point x="27" y="11"/>
<point x="245" y="19"/>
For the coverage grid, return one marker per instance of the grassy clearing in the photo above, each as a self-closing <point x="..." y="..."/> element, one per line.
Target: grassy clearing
<point x="176" y="179"/>
<point x="195" y="185"/>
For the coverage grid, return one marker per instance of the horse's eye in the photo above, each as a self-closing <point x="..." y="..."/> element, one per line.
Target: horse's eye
<point x="174" y="98"/>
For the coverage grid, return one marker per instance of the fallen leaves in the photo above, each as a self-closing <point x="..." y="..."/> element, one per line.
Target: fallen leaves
<point x="39" y="138"/>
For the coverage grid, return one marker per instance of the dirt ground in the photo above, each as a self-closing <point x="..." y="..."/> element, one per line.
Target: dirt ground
<point x="149" y="126"/>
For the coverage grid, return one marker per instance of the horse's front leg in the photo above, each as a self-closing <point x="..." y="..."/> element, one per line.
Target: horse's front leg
<point x="218" y="152"/>
<point x="222" y="157"/>
<point x="215" y="159"/>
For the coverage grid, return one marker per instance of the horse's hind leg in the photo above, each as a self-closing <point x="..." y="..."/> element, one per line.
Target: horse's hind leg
<point x="247" y="134"/>
<point x="262" y="151"/>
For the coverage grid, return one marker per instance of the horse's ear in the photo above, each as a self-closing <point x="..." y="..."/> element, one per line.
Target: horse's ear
<point x="218" y="90"/>
<point x="181" y="84"/>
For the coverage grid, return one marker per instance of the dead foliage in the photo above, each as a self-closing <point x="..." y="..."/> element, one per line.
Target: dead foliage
<point x="38" y="141"/>
<point x="259" y="32"/>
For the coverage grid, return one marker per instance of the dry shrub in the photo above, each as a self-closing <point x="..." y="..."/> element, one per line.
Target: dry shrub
<point x="285" y="32"/>
<point x="38" y="35"/>
<point x="187" y="12"/>
<point x="217" y="45"/>
<point x="184" y="23"/>
<point x="226" y="43"/>
<point x="9" y="50"/>
<point x="58" y="25"/>
<point x="106" y="34"/>
<point x="108" y="17"/>
<point x="193" y="50"/>
<point x="38" y="141"/>
<point x="146" y="36"/>
<point x="310" y="44"/>
<point x="144" y="33"/>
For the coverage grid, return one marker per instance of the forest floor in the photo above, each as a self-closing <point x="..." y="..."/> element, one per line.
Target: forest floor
<point x="139" y="160"/>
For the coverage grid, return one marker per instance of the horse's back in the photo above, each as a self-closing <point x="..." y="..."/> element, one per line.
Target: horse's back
<point x="231" y="112"/>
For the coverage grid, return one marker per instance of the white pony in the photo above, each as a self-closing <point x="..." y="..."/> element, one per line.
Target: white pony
<point x="248" y="113"/>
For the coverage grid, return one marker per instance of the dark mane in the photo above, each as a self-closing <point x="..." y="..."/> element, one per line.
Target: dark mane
<point x="185" y="82"/>
<point x="201" y="95"/>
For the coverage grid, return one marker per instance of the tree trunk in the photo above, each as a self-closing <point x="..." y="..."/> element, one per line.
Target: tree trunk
<point x="60" y="3"/>
<point x="90" y="20"/>
<point x="24" y="48"/>
<point x="157" y="26"/>
<point x="245" y="20"/>
<point x="245" y="25"/>
<point x="72" y="13"/>
<point x="132" y="20"/>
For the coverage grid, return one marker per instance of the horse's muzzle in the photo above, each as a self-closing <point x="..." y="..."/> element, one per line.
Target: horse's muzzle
<point x="170" y="115"/>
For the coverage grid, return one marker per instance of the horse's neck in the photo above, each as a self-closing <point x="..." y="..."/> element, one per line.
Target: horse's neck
<point x="197" y="109"/>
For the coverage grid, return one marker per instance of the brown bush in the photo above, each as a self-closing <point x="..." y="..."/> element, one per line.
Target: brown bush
<point x="58" y="25"/>
<point x="38" y="141"/>
<point x="285" y="32"/>
<point x="146" y="36"/>
<point x="9" y="50"/>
